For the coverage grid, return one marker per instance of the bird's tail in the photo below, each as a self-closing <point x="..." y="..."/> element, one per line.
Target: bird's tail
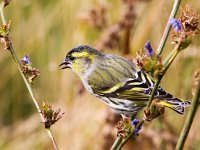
<point x="175" y="104"/>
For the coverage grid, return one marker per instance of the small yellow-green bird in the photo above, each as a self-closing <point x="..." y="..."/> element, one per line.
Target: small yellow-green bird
<point x="117" y="81"/>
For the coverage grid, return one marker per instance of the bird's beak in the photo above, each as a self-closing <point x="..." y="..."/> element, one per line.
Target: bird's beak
<point x="65" y="64"/>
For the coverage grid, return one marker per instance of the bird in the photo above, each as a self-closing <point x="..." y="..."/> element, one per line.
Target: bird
<point x="117" y="81"/>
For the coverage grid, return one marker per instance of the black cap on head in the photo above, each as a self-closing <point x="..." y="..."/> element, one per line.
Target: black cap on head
<point x="80" y="48"/>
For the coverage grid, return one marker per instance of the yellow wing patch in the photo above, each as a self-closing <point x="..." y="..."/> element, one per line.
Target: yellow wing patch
<point x="166" y="104"/>
<point x="114" y="88"/>
<point x="137" y="89"/>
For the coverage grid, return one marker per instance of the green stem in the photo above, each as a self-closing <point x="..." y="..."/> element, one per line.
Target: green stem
<point x="28" y="85"/>
<point x="189" y="119"/>
<point x="116" y="143"/>
<point x="52" y="139"/>
<point x="170" y="55"/>
<point x="12" y="51"/>
<point x="168" y="27"/>
<point x="161" y="46"/>
<point x="154" y="91"/>
<point x="2" y="14"/>
<point x="168" y="62"/>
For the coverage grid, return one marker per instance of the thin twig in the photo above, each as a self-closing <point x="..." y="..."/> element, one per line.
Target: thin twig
<point x="52" y="139"/>
<point x="189" y="119"/>
<point x="28" y="85"/>
<point x="168" y="27"/>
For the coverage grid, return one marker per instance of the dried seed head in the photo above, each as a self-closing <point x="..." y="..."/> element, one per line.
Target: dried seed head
<point x="185" y="28"/>
<point x="50" y="116"/>
<point x="124" y="127"/>
<point x="30" y="72"/>
<point x="189" y="18"/>
<point x="4" y="35"/>
<point x="149" y="61"/>
<point x="5" y="42"/>
<point x="154" y="111"/>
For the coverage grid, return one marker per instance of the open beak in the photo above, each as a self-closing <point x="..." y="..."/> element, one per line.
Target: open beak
<point x="65" y="64"/>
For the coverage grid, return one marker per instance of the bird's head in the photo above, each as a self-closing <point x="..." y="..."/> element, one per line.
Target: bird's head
<point x="81" y="58"/>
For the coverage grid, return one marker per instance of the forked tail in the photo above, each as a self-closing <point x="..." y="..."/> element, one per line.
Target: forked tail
<point x="173" y="103"/>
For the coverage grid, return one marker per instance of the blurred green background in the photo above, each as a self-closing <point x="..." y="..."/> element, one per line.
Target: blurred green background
<point x="46" y="30"/>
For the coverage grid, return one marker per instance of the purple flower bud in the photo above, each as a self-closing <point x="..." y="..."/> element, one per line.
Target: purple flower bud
<point x="149" y="48"/>
<point x="26" y="59"/>
<point x="135" y="122"/>
<point x="176" y="24"/>
<point x="136" y="131"/>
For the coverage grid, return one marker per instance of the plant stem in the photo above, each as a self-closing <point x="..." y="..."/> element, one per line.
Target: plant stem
<point x="168" y="61"/>
<point x="119" y="142"/>
<point x="154" y="91"/>
<point x="168" y="27"/>
<point x="2" y="14"/>
<point x="129" y="136"/>
<point x="189" y="119"/>
<point x="169" y="56"/>
<point x="28" y="85"/>
<point x="116" y="143"/>
<point x="52" y="139"/>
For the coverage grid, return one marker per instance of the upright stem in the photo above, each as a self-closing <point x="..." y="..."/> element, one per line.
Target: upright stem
<point x="170" y="59"/>
<point x="170" y="55"/>
<point x="116" y="143"/>
<point x="189" y="119"/>
<point x="168" y="62"/>
<point x="168" y="27"/>
<point x="52" y="139"/>
<point x="12" y="51"/>
<point x="28" y="85"/>
<point x="154" y="91"/>
<point x="119" y="141"/>
<point x="2" y="14"/>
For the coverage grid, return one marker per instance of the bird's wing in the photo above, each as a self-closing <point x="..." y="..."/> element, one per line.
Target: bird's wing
<point x="136" y="89"/>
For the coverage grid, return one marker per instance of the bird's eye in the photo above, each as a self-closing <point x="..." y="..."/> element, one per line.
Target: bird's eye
<point x="71" y="58"/>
